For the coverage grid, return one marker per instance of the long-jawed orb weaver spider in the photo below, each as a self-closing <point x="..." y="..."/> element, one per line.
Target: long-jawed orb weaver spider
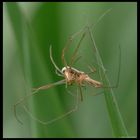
<point x="71" y="75"/>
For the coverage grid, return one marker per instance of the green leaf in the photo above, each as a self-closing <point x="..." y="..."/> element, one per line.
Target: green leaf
<point x="116" y="120"/>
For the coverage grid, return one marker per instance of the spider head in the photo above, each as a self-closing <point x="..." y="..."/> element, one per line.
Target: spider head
<point x="64" y="69"/>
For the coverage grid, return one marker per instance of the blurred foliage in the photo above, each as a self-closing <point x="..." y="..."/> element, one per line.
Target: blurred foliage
<point x="29" y="29"/>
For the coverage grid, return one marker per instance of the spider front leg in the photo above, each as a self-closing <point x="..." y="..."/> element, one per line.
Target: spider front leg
<point x="64" y="49"/>
<point x="57" y="68"/>
<point x="67" y="45"/>
<point x="58" y="73"/>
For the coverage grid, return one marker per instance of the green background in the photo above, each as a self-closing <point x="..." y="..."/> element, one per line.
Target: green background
<point x="29" y="29"/>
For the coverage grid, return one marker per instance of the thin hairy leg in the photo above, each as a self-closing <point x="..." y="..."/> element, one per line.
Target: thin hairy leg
<point x="72" y="94"/>
<point x="96" y="94"/>
<point x="118" y="75"/>
<point x="57" y="68"/>
<point x="35" y="91"/>
<point x="83" y="35"/>
<point x="67" y="45"/>
<point x="81" y="95"/>
<point x="73" y="57"/>
<point x="58" y="73"/>
<point x="98" y="60"/>
<point x="70" y="39"/>
<point x="57" y="118"/>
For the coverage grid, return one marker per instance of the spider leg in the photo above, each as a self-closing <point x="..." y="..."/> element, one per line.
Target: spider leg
<point x="83" y="35"/>
<point x="70" y="39"/>
<point x="76" y="50"/>
<point x="53" y="61"/>
<point x="96" y="94"/>
<point x="119" y="70"/>
<point x="70" y="92"/>
<point x="59" y="74"/>
<point x="81" y="95"/>
<point x="67" y="45"/>
<point x="57" y="118"/>
<point x="35" y="91"/>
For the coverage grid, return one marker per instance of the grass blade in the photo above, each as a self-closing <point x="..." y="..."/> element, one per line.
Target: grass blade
<point x="117" y="123"/>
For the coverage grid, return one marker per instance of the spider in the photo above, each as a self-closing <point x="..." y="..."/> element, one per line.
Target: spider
<point x="70" y="76"/>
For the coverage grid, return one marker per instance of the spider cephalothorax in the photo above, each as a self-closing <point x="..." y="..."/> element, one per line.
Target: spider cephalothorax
<point x="71" y="74"/>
